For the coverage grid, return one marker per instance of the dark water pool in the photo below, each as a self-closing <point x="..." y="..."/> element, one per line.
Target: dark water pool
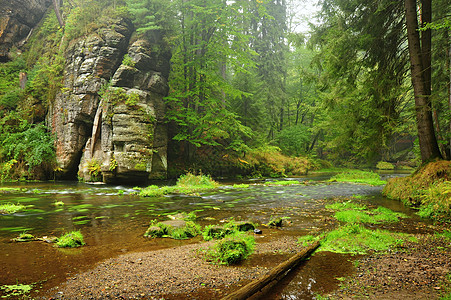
<point x="113" y="221"/>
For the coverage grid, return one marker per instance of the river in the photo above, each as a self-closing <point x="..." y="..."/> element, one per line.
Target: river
<point x="113" y="221"/>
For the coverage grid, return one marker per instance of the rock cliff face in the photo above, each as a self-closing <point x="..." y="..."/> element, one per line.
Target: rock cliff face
<point x="17" y="20"/>
<point x="108" y="118"/>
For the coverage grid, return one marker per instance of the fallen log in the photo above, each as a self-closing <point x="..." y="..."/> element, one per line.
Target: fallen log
<point x="279" y="271"/>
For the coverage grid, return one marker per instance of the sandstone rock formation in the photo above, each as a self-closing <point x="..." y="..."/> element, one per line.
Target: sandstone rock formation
<point x="17" y="20"/>
<point x="108" y="117"/>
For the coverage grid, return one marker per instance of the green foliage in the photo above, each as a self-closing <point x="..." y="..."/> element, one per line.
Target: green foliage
<point x="128" y="61"/>
<point x="357" y="176"/>
<point x="362" y="78"/>
<point x="269" y="161"/>
<point x="23" y="144"/>
<point x="200" y="90"/>
<point x="152" y="16"/>
<point x="11" y="208"/>
<point x="86" y="17"/>
<point x="94" y="170"/>
<point x="294" y="140"/>
<point x="70" y="240"/>
<point x="232" y="249"/>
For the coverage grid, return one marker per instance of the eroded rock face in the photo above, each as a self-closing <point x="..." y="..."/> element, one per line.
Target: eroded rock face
<point x="17" y="19"/>
<point x="112" y="129"/>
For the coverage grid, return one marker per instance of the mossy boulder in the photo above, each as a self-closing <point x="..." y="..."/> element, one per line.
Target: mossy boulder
<point x="176" y="229"/>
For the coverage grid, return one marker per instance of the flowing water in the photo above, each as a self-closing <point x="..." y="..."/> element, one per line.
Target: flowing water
<point x="113" y="220"/>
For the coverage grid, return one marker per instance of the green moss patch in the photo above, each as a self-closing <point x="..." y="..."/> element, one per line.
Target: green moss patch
<point x="356" y="239"/>
<point x="231" y="250"/>
<point x="186" y="184"/>
<point x="70" y="240"/>
<point x="283" y="182"/>
<point x="357" y="176"/>
<point x="10" y="208"/>
<point x="350" y="212"/>
<point x="176" y="229"/>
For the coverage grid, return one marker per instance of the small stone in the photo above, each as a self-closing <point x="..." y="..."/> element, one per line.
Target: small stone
<point x="257" y="231"/>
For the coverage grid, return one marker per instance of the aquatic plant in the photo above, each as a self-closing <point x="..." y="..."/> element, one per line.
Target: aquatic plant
<point x="358" y="176"/>
<point x="232" y="249"/>
<point x="10" y="208"/>
<point x="70" y="240"/>
<point x="16" y="290"/>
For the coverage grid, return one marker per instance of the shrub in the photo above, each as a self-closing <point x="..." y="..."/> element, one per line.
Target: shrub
<point x="128" y="61"/>
<point x="24" y="144"/>
<point x="94" y="170"/>
<point x="70" y="240"/>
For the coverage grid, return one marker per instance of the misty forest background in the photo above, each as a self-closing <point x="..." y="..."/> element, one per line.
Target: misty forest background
<point x="247" y="83"/>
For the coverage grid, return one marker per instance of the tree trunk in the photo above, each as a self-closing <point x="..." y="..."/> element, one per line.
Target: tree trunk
<point x="449" y="95"/>
<point x="56" y="8"/>
<point x="426" y="135"/>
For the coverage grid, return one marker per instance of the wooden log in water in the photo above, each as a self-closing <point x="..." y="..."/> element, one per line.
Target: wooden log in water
<point x="275" y="274"/>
